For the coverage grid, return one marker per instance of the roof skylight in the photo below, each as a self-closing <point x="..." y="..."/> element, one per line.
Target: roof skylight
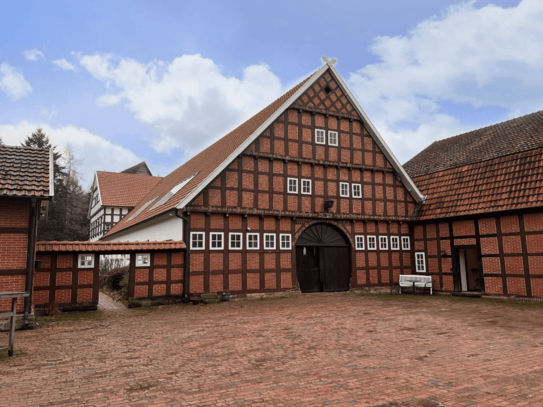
<point x="140" y="210"/>
<point x="172" y="192"/>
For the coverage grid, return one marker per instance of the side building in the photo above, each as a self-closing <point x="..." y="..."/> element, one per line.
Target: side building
<point x="304" y="195"/>
<point x="116" y="194"/>
<point x="26" y="186"/>
<point x="480" y="230"/>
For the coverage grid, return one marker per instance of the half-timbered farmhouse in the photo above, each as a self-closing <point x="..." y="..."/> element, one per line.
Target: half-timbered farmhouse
<point x="305" y="195"/>
<point x="26" y="186"/>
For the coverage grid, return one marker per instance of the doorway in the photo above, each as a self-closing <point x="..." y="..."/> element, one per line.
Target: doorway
<point x="469" y="274"/>
<point x="323" y="260"/>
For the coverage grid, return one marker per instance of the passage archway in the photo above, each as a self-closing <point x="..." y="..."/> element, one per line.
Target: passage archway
<point x="323" y="259"/>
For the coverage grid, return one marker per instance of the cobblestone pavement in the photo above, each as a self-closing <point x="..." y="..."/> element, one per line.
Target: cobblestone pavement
<point x="106" y="303"/>
<point x="337" y="349"/>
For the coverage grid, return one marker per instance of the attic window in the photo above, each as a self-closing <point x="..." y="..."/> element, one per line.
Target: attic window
<point x="172" y="192"/>
<point x="327" y="89"/>
<point x="140" y="210"/>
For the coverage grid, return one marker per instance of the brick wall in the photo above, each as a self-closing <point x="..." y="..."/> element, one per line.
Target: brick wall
<point x="510" y="251"/>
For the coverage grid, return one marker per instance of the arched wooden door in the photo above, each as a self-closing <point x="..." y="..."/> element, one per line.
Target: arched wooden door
<point x="323" y="259"/>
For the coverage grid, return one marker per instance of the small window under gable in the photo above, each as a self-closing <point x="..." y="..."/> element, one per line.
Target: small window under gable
<point x="292" y="185"/>
<point x="332" y="138"/>
<point x="395" y="243"/>
<point x="320" y="136"/>
<point x="357" y="191"/>
<point x="344" y="189"/>
<point x="372" y="243"/>
<point x="405" y="243"/>
<point x="383" y="243"/>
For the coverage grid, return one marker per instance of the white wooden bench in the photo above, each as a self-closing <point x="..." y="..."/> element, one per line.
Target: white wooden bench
<point x="415" y="282"/>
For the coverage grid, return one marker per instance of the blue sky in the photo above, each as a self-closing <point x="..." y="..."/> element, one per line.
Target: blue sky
<point x="125" y="81"/>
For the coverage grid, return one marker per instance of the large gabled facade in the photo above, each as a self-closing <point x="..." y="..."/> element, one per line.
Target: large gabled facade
<point x="305" y="186"/>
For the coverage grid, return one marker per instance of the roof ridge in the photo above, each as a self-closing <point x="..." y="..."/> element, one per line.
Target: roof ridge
<point x="483" y="128"/>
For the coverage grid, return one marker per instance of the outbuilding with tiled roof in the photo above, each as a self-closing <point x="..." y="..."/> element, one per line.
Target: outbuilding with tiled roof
<point x="26" y="186"/>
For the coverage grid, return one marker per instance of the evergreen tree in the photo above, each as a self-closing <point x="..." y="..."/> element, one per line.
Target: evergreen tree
<point x="67" y="217"/>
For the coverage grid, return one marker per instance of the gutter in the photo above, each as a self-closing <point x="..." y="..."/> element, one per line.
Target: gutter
<point x="31" y="252"/>
<point x="186" y="271"/>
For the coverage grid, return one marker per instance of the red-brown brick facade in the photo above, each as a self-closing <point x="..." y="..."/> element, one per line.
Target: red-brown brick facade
<point x="252" y="196"/>
<point x="510" y="251"/>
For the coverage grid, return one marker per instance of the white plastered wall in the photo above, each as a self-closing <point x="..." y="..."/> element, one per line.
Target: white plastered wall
<point x="165" y="227"/>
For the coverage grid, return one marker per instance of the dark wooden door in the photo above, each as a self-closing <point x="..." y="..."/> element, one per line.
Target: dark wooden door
<point x="308" y="268"/>
<point x="336" y="268"/>
<point x="323" y="260"/>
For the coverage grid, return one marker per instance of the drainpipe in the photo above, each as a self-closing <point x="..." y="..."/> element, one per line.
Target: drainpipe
<point x="30" y="253"/>
<point x="186" y="271"/>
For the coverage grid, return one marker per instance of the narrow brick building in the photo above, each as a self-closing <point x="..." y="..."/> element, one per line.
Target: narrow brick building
<point x="304" y="195"/>
<point x="26" y="186"/>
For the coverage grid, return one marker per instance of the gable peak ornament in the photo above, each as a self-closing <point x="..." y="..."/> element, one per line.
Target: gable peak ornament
<point x="332" y="61"/>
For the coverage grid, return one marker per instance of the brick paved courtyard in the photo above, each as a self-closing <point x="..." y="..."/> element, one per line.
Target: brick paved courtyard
<point x="305" y="350"/>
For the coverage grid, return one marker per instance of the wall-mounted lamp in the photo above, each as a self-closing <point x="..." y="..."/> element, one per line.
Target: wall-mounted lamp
<point x="328" y="204"/>
<point x="443" y="253"/>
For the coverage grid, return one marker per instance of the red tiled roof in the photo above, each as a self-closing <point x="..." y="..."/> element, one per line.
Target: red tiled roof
<point x="512" y="136"/>
<point x="107" y="246"/>
<point x="202" y="164"/>
<point x="118" y="189"/>
<point x="24" y="171"/>
<point x="514" y="181"/>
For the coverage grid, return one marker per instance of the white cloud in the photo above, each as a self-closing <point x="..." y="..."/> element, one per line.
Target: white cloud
<point x="97" y="153"/>
<point x="489" y="56"/>
<point x="189" y="102"/>
<point x="33" y="54"/>
<point x="64" y="65"/>
<point x="13" y="83"/>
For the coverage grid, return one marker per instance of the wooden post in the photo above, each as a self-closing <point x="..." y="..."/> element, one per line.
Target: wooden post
<point x="12" y="327"/>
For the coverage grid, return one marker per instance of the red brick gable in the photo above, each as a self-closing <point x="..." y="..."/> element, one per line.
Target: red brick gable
<point x="511" y="182"/>
<point x="326" y="96"/>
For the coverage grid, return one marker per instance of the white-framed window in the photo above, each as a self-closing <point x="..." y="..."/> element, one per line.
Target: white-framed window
<point x="359" y="240"/>
<point x="292" y="185"/>
<point x="252" y="241"/>
<point x="306" y="186"/>
<point x="143" y="259"/>
<point x="320" y="136"/>
<point x="372" y="243"/>
<point x="197" y="240"/>
<point x="395" y="243"/>
<point x="85" y="261"/>
<point x="405" y="243"/>
<point x="420" y="262"/>
<point x="357" y="191"/>
<point x="344" y="189"/>
<point x="332" y="138"/>
<point x="269" y="241"/>
<point x="216" y="241"/>
<point x="383" y="243"/>
<point x="285" y="241"/>
<point x="235" y="241"/>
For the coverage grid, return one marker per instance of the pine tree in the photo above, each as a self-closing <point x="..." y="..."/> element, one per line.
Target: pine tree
<point x="67" y="217"/>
